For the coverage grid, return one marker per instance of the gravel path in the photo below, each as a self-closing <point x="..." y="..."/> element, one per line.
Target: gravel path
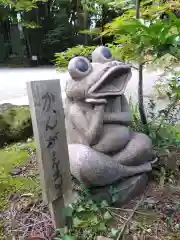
<point x="13" y="83"/>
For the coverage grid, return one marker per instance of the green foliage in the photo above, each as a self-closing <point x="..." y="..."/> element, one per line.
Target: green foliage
<point x="146" y="39"/>
<point x="11" y="158"/>
<point x="162" y="123"/>
<point x="140" y="38"/>
<point x="30" y="25"/>
<point x="162" y="133"/>
<point x="61" y="31"/>
<point x="155" y="9"/>
<point x="149" y="36"/>
<point x="94" y="6"/>
<point x="88" y="219"/>
<point x="123" y="4"/>
<point x="21" y="5"/>
<point x="62" y="59"/>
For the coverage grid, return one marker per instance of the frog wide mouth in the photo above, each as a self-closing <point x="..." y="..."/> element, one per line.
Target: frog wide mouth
<point x="112" y="81"/>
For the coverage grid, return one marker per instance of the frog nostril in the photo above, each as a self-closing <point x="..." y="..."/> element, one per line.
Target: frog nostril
<point x="82" y="65"/>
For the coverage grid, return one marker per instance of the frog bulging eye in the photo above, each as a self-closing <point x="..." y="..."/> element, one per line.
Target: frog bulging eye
<point x="106" y="53"/>
<point x="79" y="67"/>
<point x="101" y="54"/>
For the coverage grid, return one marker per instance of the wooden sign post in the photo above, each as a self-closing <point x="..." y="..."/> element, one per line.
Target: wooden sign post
<point x="52" y="152"/>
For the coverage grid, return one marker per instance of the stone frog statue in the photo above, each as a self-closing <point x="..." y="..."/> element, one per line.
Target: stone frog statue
<point x="102" y="148"/>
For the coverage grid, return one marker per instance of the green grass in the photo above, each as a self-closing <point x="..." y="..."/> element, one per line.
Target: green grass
<point x="11" y="158"/>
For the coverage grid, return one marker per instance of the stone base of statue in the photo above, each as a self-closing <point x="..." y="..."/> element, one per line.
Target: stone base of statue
<point x="122" y="192"/>
<point x="119" y="193"/>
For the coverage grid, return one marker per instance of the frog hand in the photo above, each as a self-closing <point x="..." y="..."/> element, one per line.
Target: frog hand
<point x="96" y="101"/>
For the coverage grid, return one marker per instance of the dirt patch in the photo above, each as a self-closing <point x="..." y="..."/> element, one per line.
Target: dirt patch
<point x="157" y="216"/>
<point x="28" y="218"/>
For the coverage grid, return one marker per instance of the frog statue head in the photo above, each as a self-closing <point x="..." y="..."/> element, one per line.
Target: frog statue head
<point x="94" y="82"/>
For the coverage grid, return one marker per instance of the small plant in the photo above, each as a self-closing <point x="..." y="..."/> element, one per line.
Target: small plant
<point x="88" y="219"/>
<point x="162" y="124"/>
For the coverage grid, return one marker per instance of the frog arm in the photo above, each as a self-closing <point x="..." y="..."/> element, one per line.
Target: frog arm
<point x="123" y="116"/>
<point x="90" y="130"/>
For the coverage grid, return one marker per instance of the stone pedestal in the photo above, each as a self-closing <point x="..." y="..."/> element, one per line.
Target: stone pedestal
<point x="121" y="192"/>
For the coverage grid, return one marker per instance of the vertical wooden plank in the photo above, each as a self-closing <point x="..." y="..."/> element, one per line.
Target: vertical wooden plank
<point x="52" y="152"/>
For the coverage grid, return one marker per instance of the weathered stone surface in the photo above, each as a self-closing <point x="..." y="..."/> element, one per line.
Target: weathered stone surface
<point x="102" y="148"/>
<point x="122" y="192"/>
<point x="96" y="169"/>
<point x="103" y="238"/>
<point x="16" y="171"/>
<point x="15" y="123"/>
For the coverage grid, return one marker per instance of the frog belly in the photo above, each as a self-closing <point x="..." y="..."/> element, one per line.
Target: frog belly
<point x="113" y="139"/>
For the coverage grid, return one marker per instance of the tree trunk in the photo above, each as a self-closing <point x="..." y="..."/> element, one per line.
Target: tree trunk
<point x="86" y="18"/>
<point x="140" y="96"/>
<point x="140" y="84"/>
<point x="137" y="9"/>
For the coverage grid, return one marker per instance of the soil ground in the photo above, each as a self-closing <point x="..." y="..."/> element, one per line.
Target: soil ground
<point x="157" y="217"/>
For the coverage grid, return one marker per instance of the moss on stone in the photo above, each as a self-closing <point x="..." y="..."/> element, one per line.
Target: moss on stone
<point x="15" y="125"/>
<point x="4" y="130"/>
